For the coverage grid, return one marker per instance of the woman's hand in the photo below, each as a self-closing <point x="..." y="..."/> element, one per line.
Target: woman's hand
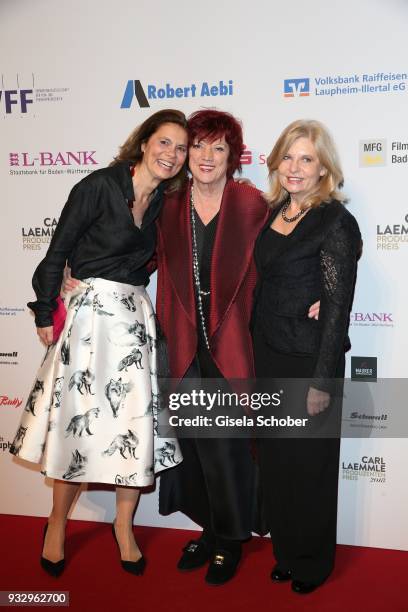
<point x="314" y="311"/>
<point x="316" y="401"/>
<point x="69" y="283"/>
<point x="46" y="334"/>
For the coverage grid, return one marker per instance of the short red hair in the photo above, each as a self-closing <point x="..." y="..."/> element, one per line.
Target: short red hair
<point x="214" y="124"/>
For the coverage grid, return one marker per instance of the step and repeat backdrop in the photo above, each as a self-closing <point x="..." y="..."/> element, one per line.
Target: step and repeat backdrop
<point x="77" y="77"/>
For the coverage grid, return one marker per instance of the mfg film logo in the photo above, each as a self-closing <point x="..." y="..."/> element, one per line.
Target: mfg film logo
<point x="296" y="87"/>
<point x="373" y="152"/>
<point x="134" y="91"/>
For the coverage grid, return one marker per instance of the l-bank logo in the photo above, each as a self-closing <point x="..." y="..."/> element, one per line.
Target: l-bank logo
<point x="296" y="87"/>
<point x="168" y="91"/>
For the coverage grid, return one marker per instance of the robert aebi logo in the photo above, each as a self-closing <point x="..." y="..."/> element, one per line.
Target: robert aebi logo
<point x="169" y="91"/>
<point x="296" y="87"/>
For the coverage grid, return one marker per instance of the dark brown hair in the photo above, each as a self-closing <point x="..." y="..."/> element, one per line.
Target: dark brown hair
<point x="131" y="150"/>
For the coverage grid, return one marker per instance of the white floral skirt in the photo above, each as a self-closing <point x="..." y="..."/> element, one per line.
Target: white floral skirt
<point x="92" y="413"/>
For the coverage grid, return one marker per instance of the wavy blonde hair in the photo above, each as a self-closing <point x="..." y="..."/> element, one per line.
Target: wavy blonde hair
<point x="329" y="185"/>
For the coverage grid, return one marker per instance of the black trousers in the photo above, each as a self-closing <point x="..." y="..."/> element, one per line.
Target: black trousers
<point x="214" y="486"/>
<point x="299" y="480"/>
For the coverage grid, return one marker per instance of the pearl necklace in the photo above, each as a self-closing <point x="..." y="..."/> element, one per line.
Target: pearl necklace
<point x="196" y="270"/>
<point x="291" y="219"/>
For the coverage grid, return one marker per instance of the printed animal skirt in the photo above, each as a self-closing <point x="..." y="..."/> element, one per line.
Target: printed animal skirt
<point x="92" y="413"/>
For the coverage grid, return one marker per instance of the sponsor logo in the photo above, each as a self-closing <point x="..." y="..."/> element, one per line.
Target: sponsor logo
<point x="392" y="236"/>
<point x="296" y="87"/>
<point x="145" y="95"/>
<point x="346" y="84"/>
<point x="34" y="238"/>
<point x="372" y="319"/>
<point x="364" y="368"/>
<point x="20" y="96"/>
<point x="246" y="157"/>
<point x="5" y="445"/>
<point x="373" y="468"/>
<point x="373" y="153"/>
<point x="6" y="311"/>
<point x="398" y="156"/>
<point x="5" y="400"/>
<point x="8" y="358"/>
<point x="52" y="162"/>
<point x="361" y="420"/>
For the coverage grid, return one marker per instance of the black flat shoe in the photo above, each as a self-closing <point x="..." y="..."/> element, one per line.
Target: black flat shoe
<point x="303" y="588"/>
<point x="52" y="568"/>
<point x="195" y="554"/>
<point x="222" y="568"/>
<point x="133" y="567"/>
<point x="278" y="575"/>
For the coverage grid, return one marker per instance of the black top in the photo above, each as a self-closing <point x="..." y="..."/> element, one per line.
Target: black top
<point x="97" y="236"/>
<point x="205" y="235"/>
<point x="269" y="247"/>
<point x="317" y="261"/>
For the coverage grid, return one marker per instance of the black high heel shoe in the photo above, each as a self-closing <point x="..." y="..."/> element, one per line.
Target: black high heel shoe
<point x="52" y="568"/>
<point x="133" y="567"/>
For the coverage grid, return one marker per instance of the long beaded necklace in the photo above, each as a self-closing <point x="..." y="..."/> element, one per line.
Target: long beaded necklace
<point x="196" y="270"/>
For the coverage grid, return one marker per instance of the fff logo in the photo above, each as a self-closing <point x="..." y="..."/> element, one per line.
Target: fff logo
<point x="16" y="99"/>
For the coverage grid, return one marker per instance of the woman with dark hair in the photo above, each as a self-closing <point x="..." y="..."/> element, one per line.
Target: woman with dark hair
<point x="91" y="415"/>
<point x="307" y="250"/>
<point x="206" y="277"/>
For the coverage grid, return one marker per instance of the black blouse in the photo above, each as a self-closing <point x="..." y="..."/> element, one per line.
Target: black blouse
<point x="97" y="236"/>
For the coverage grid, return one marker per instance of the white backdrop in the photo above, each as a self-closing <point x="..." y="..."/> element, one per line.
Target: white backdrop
<point x="65" y="68"/>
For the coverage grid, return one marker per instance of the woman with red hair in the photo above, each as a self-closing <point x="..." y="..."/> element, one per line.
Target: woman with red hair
<point x="206" y="277"/>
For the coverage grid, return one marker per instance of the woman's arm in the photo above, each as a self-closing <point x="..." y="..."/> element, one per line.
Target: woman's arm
<point x="338" y="262"/>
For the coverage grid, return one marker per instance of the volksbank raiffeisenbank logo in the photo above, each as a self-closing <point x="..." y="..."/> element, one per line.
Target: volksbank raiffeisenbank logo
<point x="346" y="84"/>
<point x="144" y="94"/>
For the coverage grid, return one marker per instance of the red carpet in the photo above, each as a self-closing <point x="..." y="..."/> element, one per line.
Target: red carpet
<point x="365" y="579"/>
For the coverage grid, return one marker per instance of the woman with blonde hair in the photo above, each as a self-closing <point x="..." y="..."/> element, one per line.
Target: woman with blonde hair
<point x="307" y="250"/>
